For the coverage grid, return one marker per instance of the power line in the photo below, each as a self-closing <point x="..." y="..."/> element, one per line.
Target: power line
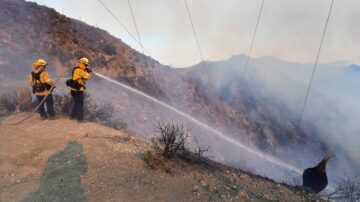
<point x="136" y="27"/>
<point x="137" y="32"/>
<point x="315" y="64"/>
<point x="194" y="30"/>
<point x="119" y="21"/>
<point x="251" y="44"/>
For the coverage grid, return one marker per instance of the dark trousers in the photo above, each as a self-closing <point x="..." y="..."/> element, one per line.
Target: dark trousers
<point x="78" y="110"/>
<point x="49" y="106"/>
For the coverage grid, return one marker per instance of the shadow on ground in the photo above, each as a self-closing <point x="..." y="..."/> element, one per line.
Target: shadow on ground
<point x="61" y="180"/>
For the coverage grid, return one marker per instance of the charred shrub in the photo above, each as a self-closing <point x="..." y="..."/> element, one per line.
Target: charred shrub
<point x="347" y="189"/>
<point x="173" y="141"/>
<point x="197" y="155"/>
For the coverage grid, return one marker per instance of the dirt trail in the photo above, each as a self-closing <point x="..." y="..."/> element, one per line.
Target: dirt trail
<point x="62" y="160"/>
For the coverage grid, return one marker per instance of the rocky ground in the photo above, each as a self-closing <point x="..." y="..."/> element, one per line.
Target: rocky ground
<point x="62" y="160"/>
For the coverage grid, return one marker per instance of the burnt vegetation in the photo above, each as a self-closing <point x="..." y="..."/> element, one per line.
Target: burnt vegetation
<point x="173" y="142"/>
<point x="347" y="189"/>
<point x="102" y="113"/>
<point x="22" y="100"/>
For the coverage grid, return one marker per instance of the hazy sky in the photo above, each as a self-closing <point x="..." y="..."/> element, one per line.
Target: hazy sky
<point x="288" y="29"/>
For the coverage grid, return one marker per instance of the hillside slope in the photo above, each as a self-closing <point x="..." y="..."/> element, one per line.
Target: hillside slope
<point x="29" y="31"/>
<point x="61" y="159"/>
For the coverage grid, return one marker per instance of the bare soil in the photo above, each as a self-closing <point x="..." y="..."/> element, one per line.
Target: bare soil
<point x="63" y="160"/>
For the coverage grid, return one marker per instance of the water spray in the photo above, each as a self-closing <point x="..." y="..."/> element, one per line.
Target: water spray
<point x="203" y="125"/>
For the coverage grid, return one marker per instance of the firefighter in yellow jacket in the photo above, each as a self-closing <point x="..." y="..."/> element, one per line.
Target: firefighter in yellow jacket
<point x="80" y="75"/>
<point x="41" y="83"/>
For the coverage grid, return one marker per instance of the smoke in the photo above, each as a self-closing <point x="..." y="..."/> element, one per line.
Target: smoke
<point x="141" y="113"/>
<point x="331" y="114"/>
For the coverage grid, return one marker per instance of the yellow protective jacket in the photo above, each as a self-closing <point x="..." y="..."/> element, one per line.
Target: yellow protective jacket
<point x="81" y="76"/>
<point x="44" y="79"/>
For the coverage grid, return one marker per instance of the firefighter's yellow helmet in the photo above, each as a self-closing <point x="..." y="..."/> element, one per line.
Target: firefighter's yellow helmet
<point x="85" y="61"/>
<point x="40" y="62"/>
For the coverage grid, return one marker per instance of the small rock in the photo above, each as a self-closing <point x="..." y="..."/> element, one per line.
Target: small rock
<point x="243" y="194"/>
<point x="195" y="189"/>
<point x="242" y="176"/>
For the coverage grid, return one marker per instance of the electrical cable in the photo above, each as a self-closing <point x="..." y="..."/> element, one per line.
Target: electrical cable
<point x="242" y="77"/>
<point x="315" y="64"/>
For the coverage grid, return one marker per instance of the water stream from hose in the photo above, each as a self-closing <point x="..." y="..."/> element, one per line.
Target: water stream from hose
<point x="205" y="126"/>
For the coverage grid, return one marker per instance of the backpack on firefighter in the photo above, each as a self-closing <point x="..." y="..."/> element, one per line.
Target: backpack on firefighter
<point x="38" y="86"/>
<point x="74" y="83"/>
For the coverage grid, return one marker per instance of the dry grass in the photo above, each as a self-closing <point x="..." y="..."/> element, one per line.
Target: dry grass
<point x="19" y="99"/>
<point x="24" y="99"/>
<point x="8" y="102"/>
